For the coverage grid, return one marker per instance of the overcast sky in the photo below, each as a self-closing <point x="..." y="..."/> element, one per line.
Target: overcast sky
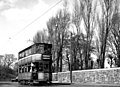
<point x="15" y="15"/>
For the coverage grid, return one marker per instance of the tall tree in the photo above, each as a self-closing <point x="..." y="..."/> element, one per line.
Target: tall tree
<point x="59" y="24"/>
<point x="114" y="40"/>
<point x="52" y="37"/>
<point x="76" y="20"/>
<point x="100" y="39"/>
<point x="107" y="12"/>
<point x="41" y="37"/>
<point x="88" y="15"/>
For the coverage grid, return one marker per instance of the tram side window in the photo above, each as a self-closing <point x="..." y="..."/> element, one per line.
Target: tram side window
<point x="29" y="67"/>
<point x="22" y="54"/>
<point x="33" y="49"/>
<point x="29" y="51"/>
<point x="22" y="71"/>
<point x="25" y="68"/>
<point x="26" y="53"/>
<point x="19" y="69"/>
<point x="39" y="48"/>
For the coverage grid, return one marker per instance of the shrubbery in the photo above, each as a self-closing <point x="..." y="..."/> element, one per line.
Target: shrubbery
<point x="6" y="73"/>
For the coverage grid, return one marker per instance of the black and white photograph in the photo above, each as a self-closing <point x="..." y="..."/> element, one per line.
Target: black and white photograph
<point x="59" y="43"/>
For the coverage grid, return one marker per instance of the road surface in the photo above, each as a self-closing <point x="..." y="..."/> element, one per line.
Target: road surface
<point x="15" y="84"/>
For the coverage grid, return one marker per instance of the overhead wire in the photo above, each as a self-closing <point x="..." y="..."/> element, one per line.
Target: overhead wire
<point x="35" y="19"/>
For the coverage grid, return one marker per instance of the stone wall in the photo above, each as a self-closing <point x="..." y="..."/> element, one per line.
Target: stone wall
<point x="98" y="76"/>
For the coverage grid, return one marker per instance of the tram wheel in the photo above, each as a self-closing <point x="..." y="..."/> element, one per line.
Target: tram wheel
<point x="20" y="82"/>
<point x="30" y="83"/>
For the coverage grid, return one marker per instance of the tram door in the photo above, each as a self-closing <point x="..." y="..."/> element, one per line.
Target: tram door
<point x="35" y="71"/>
<point x="47" y="70"/>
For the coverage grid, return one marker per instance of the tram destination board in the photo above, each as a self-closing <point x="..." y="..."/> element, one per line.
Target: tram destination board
<point x="46" y="57"/>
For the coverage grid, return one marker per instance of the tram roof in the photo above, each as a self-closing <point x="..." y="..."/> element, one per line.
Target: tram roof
<point x="34" y="45"/>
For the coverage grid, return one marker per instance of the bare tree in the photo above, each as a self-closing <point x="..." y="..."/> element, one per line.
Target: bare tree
<point x="8" y="59"/>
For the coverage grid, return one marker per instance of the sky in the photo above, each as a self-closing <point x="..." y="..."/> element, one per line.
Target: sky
<point x="15" y="15"/>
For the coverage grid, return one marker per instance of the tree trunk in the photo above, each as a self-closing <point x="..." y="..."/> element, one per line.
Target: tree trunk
<point x="60" y="53"/>
<point x="118" y="61"/>
<point x="58" y="58"/>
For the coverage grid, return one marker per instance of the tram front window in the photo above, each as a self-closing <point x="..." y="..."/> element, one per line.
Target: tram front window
<point x="40" y="68"/>
<point x="46" y="67"/>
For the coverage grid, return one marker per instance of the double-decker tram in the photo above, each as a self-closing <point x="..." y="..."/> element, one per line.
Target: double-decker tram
<point x="34" y="64"/>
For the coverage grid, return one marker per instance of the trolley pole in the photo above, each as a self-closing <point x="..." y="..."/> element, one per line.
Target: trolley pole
<point x="71" y="58"/>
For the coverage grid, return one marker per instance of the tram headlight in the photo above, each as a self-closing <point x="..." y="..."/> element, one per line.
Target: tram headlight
<point x="40" y="75"/>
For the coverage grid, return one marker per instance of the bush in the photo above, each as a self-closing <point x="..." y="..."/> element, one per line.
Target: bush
<point x="6" y="73"/>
